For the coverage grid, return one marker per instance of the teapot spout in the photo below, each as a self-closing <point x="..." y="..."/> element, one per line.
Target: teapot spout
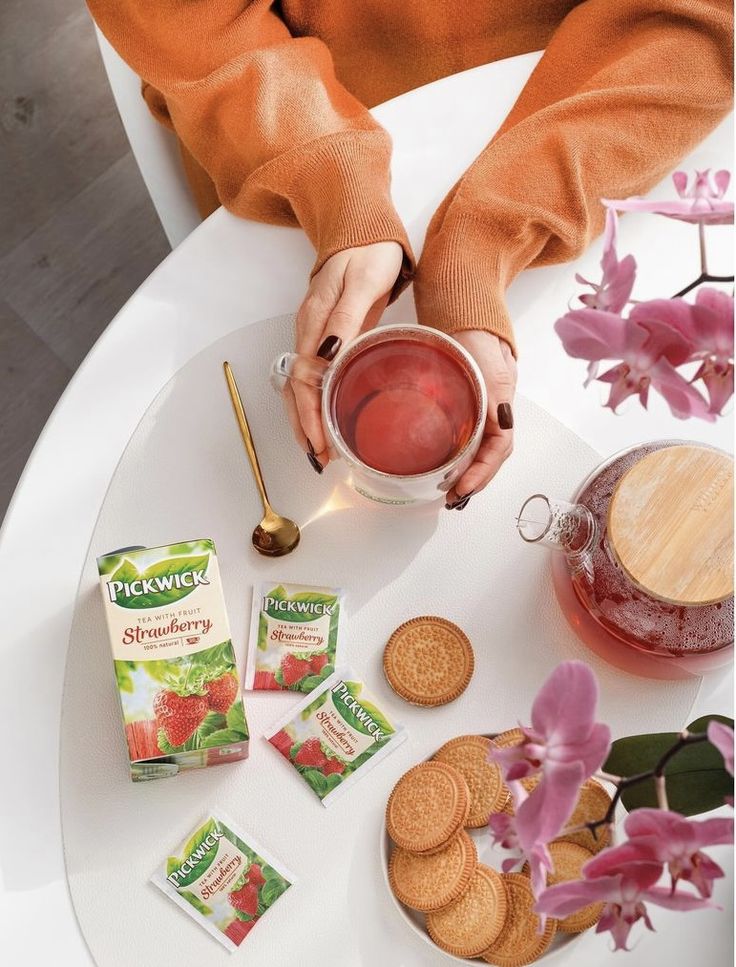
<point x="562" y="526"/>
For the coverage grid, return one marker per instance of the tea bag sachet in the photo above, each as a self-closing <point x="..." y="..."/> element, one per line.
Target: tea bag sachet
<point x="335" y="735"/>
<point x="293" y="636"/>
<point x="223" y="879"/>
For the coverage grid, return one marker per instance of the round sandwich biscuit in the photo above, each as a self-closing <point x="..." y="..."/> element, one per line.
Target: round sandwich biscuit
<point x="568" y="860"/>
<point x="510" y="737"/>
<point x="472" y="923"/>
<point x="519" y="942"/>
<point x="427" y="806"/>
<point x="428" y="661"/>
<point x="428" y="882"/>
<point x="593" y="803"/>
<point x="469" y="755"/>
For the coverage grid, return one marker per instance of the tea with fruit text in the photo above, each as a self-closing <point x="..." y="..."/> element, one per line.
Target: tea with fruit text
<point x="174" y="660"/>
<point x="405" y="407"/>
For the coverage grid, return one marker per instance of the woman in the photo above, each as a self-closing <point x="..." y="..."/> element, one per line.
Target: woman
<point x="270" y="102"/>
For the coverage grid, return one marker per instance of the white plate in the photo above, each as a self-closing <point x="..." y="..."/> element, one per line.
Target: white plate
<point x="490" y="856"/>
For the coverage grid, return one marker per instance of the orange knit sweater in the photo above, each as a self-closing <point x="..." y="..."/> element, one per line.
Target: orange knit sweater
<point x="271" y="99"/>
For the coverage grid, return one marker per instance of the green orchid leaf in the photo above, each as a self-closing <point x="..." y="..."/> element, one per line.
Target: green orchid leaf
<point x="696" y="779"/>
<point x="701" y="724"/>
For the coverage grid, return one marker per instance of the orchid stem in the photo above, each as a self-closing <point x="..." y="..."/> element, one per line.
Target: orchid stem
<point x="703" y="277"/>
<point x="657" y="773"/>
<point x="703" y="253"/>
<point x="608" y="777"/>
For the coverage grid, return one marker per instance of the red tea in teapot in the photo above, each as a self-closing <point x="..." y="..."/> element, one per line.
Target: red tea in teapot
<point x="405" y="407"/>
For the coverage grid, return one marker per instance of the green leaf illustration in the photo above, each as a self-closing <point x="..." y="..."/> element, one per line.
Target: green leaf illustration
<point x="172" y="864"/>
<point x="236" y="718"/>
<point x="161" y="573"/>
<point x="196" y="902"/>
<point x="208" y="857"/>
<point x="122" y="674"/>
<point x="696" y="779"/>
<point x="272" y="889"/>
<point x="313" y="706"/>
<point x="300" y="597"/>
<point x="351" y="717"/>
<point x="311" y="682"/>
<point x="222" y="737"/>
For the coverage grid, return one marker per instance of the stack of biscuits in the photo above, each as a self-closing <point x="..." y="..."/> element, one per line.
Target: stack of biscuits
<point x="471" y="909"/>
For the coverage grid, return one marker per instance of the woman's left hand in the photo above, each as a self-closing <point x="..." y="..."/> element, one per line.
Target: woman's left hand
<point x="498" y="367"/>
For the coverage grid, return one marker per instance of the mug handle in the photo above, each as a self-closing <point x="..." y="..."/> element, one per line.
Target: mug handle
<point x="309" y="370"/>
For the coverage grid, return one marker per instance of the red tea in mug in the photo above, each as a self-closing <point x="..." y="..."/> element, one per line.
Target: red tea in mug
<point x="405" y="407"/>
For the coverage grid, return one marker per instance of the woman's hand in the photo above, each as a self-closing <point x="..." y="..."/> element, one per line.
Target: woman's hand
<point x="346" y="297"/>
<point x="498" y="368"/>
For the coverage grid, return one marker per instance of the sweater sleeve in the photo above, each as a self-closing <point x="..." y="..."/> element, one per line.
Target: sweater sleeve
<point x="263" y="113"/>
<point x="624" y="90"/>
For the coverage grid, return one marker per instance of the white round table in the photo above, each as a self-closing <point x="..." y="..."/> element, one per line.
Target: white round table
<point x="226" y="275"/>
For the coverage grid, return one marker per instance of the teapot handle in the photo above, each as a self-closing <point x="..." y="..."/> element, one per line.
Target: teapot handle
<point x="560" y="525"/>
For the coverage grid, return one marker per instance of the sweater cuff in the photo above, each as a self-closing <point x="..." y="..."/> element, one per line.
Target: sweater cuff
<point x="341" y="198"/>
<point x="462" y="277"/>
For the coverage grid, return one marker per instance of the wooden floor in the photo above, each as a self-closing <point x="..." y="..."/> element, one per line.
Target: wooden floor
<point x="78" y="231"/>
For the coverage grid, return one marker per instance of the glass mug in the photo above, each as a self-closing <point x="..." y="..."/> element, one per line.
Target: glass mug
<point x="403" y="406"/>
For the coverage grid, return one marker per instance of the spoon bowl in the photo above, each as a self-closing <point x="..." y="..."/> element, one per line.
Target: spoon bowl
<point x="275" y="535"/>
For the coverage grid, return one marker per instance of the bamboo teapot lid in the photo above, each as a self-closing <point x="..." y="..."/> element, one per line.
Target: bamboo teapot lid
<point x="670" y="524"/>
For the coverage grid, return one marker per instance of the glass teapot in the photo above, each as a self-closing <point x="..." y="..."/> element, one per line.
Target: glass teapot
<point x="644" y="573"/>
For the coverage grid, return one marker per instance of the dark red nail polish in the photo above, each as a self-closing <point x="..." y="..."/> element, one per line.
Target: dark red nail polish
<point x="329" y="348"/>
<point x="312" y="457"/>
<point x="505" y="416"/>
<point x="461" y="502"/>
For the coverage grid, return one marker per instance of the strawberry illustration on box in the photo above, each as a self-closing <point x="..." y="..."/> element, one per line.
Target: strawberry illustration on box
<point x="174" y="660"/>
<point x="294" y="637"/>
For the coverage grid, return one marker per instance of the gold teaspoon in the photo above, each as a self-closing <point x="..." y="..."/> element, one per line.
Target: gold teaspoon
<point x="275" y="535"/>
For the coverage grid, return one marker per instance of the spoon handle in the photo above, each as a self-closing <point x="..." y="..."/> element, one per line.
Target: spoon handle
<point x="246" y="435"/>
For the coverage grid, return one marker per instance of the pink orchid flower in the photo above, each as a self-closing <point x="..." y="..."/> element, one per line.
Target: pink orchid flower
<point x="708" y="327"/>
<point x="614" y="289"/>
<point x="649" y="351"/>
<point x="675" y="842"/>
<point x="505" y="834"/>
<point x="624" y="879"/>
<point x="700" y="202"/>
<point x="721" y="736"/>
<point x="564" y="743"/>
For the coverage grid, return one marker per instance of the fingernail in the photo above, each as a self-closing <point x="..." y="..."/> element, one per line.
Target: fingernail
<point x="461" y="503"/>
<point x="312" y="457"/>
<point x="329" y="348"/>
<point x="505" y="416"/>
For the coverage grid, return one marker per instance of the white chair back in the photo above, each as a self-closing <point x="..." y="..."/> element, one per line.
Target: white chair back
<point x="154" y="148"/>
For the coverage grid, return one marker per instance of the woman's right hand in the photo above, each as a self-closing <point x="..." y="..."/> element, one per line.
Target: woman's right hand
<point x="346" y="297"/>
